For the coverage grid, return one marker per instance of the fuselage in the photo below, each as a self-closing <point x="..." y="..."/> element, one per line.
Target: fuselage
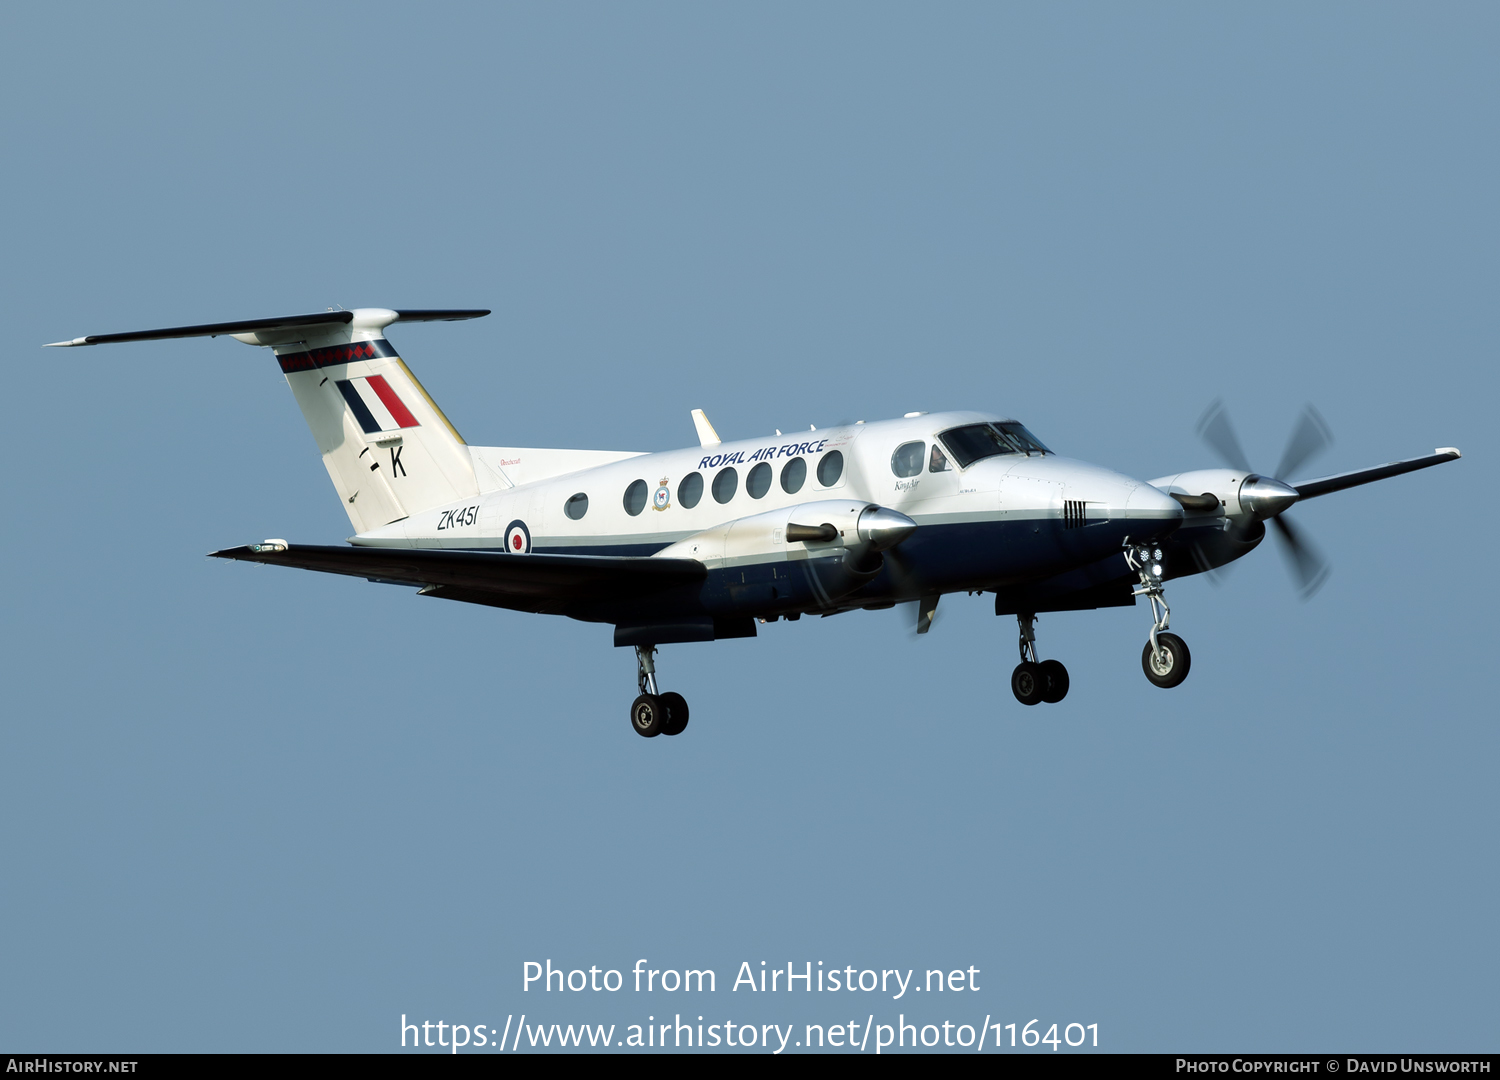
<point x="984" y="523"/>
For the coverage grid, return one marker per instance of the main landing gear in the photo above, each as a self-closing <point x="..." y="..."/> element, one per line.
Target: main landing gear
<point x="1032" y="682"/>
<point x="1165" y="658"/>
<point x="654" y="714"/>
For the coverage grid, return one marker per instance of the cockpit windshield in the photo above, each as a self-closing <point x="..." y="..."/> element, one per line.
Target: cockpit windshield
<point x="973" y="442"/>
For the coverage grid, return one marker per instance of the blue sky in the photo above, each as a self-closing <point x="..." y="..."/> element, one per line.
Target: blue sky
<point x="248" y="809"/>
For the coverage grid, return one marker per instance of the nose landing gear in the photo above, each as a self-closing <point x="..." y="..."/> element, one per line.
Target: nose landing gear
<point x="654" y="714"/>
<point x="1165" y="658"/>
<point x="1034" y="682"/>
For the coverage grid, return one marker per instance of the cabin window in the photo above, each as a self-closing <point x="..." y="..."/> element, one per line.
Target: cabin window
<point x="939" y="462"/>
<point x="635" y="498"/>
<point x="907" y="460"/>
<point x="576" y="506"/>
<point x="830" y="468"/>
<point x="690" y="490"/>
<point x="759" y="481"/>
<point x="793" y="475"/>
<point x="725" y="485"/>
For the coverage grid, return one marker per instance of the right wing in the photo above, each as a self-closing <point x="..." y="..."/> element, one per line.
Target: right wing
<point x="540" y="583"/>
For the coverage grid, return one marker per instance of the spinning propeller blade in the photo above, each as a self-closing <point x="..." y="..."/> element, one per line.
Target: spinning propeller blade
<point x="1269" y="497"/>
<point x="1309" y="439"/>
<point x="1309" y="567"/>
<point x="1214" y="428"/>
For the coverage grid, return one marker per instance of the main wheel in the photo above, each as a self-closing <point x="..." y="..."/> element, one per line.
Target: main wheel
<point x="647" y="715"/>
<point x="1055" y="679"/>
<point x="677" y="713"/>
<point x="1026" y="683"/>
<point x="1169" y="665"/>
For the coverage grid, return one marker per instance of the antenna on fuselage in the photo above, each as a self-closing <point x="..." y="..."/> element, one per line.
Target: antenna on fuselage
<point x="707" y="436"/>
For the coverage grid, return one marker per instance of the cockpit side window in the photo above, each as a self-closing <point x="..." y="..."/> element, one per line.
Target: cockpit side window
<point x="939" y="460"/>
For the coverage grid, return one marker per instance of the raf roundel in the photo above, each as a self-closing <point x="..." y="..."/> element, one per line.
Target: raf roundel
<point x="517" y="538"/>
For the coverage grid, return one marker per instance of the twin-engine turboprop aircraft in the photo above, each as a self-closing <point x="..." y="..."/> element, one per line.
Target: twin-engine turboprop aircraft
<point x="704" y="543"/>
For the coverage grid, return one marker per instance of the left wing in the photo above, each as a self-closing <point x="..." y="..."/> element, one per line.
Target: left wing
<point x="539" y="583"/>
<point x="1326" y="485"/>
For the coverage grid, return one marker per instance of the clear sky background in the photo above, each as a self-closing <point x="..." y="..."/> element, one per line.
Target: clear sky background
<point x="251" y="809"/>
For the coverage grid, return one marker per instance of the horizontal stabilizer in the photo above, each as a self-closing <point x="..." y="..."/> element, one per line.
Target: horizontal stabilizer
<point x="278" y="326"/>
<point x="522" y="582"/>
<point x="1325" y="485"/>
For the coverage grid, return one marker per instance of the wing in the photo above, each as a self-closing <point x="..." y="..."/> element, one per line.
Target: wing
<point x="1326" y="485"/>
<point x="556" y="584"/>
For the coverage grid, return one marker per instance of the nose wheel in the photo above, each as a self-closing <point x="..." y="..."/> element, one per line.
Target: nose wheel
<point x="1036" y="681"/>
<point x="652" y="713"/>
<point x="1165" y="658"/>
<point x="1166" y="662"/>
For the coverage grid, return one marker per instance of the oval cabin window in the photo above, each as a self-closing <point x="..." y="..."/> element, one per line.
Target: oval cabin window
<point x="725" y="485"/>
<point x="635" y="498"/>
<point x="830" y="468"/>
<point x="793" y="476"/>
<point x="759" y="481"/>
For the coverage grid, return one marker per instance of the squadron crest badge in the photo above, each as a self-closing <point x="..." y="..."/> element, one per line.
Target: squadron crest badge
<point x="663" y="498"/>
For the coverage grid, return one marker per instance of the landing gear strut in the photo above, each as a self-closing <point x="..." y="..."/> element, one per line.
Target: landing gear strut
<point x="654" y="714"/>
<point x="1032" y="682"/>
<point x="1165" y="659"/>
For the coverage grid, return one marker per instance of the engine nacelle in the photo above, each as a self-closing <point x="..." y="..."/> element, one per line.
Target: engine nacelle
<point x="1214" y="535"/>
<point x="824" y="550"/>
<point x="851" y="525"/>
<point x="1223" y="484"/>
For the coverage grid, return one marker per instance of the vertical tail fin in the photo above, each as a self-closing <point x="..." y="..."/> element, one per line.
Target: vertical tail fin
<point x="387" y="446"/>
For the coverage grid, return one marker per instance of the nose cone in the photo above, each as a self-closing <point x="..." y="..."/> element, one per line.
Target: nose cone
<point x="1262" y="497"/>
<point x="884" y="528"/>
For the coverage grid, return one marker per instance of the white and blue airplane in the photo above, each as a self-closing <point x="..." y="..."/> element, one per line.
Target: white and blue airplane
<point x="707" y="542"/>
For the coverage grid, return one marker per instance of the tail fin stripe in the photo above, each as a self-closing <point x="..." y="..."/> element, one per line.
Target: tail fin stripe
<point x="399" y="412"/>
<point x="358" y="407"/>
<point x="335" y="354"/>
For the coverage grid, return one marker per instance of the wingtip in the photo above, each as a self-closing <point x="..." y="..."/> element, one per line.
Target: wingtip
<point x="1449" y="450"/>
<point x="248" y="551"/>
<point x="65" y="344"/>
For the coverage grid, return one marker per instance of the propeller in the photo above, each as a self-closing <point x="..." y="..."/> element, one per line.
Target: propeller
<point x="1267" y="497"/>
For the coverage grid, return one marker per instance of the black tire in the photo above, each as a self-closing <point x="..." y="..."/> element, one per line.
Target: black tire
<point x="1055" y="678"/>
<point x="1026" y="683"/>
<point x="647" y="714"/>
<point x="1171" y="667"/>
<point x="677" y="713"/>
